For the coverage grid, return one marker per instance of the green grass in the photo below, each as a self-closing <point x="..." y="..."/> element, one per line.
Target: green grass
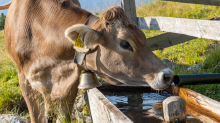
<point x="179" y="10"/>
<point x="10" y="94"/>
<point x="192" y="52"/>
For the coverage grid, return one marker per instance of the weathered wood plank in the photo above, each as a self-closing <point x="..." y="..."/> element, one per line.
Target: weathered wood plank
<point x="202" y="116"/>
<point x="130" y="9"/>
<point x="198" y="100"/>
<point x="209" y="29"/>
<point x="204" y="2"/>
<point x="167" y="40"/>
<point x="102" y="110"/>
<point x="205" y="107"/>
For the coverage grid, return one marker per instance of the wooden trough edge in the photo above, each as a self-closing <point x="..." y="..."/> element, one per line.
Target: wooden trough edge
<point x="126" y="85"/>
<point x="199" y="106"/>
<point x="102" y="110"/>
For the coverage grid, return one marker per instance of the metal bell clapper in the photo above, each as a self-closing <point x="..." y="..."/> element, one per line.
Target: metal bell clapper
<point x="88" y="81"/>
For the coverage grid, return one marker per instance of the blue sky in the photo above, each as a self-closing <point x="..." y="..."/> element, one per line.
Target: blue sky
<point x="92" y="5"/>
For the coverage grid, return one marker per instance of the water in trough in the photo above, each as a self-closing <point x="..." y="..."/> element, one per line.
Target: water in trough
<point x="141" y="105"/>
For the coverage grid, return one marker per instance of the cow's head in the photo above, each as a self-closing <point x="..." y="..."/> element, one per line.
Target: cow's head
<point x="119" y="53"/>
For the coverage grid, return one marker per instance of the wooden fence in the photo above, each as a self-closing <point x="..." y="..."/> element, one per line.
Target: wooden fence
<point x="178" y="30"/>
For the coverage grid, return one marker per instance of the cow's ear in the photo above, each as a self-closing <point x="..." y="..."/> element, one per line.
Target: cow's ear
<point x="89" y="37"/>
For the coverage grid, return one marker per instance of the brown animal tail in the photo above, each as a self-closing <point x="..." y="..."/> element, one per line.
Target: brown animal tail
<point x="6" y="6"/>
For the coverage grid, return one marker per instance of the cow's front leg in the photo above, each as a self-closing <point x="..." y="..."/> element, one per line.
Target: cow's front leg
<point x="66" y="105"/>
<point x="33" y="100"/>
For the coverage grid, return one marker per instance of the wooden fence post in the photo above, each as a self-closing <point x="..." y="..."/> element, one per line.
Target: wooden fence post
<point x="130" y="9"/>
<point x="174" y="108"/>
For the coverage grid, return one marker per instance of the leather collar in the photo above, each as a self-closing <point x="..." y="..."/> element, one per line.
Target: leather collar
<point x="80" y="56"/>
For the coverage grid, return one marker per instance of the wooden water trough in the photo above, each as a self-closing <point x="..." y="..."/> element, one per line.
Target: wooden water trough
<point x="202" y="108"/>
<point x="178" y="30"/>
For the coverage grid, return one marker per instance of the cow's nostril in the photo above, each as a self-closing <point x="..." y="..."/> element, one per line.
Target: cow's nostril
<point x="168" y="77"/>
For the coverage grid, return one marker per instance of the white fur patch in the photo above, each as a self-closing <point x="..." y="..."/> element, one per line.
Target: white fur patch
<point x="158" y="82"/>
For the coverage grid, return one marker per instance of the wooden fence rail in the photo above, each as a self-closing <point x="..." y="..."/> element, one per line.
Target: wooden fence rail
<point x="167" y="40"/>
<point x="209" y="29"/>
<point x="178" y="30"/>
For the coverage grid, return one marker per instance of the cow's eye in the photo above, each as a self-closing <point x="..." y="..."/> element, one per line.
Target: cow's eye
<point x="126" y="45"/>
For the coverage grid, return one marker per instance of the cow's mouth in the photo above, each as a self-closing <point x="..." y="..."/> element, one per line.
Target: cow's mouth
<point x="109" y="79"/>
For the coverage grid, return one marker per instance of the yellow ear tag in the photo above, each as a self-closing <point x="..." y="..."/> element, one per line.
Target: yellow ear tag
<point x="78" y="42"/>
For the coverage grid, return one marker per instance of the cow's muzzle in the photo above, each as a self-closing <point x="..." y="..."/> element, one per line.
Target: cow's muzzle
<point x="162" y="80"/>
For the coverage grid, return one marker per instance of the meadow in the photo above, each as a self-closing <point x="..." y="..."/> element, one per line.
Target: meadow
<point x="198" y="51"/>
<point x="11" y="100"/>
<point x="204" y="52"/>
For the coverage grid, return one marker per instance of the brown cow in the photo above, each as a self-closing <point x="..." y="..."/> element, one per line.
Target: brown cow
<point x="35" y="38"/>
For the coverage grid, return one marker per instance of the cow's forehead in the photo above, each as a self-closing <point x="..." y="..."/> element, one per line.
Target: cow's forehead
<point x="119" y="29"/>
<point x="126" y="32"/>
<point x="119" y="25"/>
